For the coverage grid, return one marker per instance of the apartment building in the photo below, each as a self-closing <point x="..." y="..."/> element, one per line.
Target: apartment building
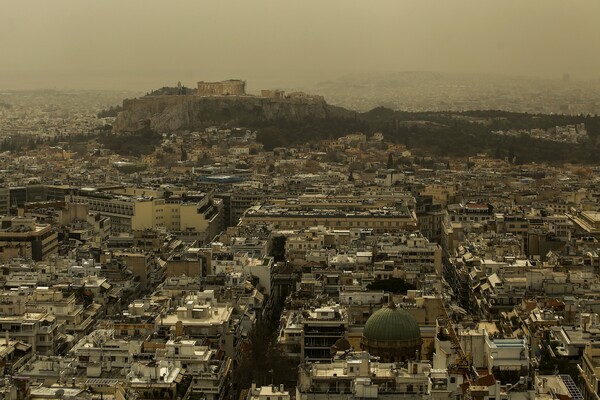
<point x="357" y="376"/>
<point x="100" y="352"/>
<point x="208" y="368"/>
<point x="24" y="238"/>
<point x="199" y="213"/>
<point x="63" y="306"/>
<point x="39" y="329"/>
<point x="589" y="371"/>
<point x="4" y="201"/>
<point x="199" y="317"/>
<point x="411" y="250"/>
<point x="321" y="328"/>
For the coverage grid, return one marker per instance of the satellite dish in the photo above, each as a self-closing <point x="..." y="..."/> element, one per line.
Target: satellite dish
<point x="60" y="393"/>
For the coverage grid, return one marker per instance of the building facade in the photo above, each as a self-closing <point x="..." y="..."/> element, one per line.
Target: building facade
<point x="223" y="88"/>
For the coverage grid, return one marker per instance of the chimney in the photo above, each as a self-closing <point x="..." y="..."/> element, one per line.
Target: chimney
<point x="253" y="387"/>
<point x="281" y="388"/>
<point x="7" y="337"/>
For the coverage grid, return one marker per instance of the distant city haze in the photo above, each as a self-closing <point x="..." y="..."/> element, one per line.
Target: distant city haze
<point x="146" y="44"/>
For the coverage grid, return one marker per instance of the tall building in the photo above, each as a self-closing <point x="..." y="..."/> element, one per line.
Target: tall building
<point x="4" y="201"/>
<point x="321" y="329"/>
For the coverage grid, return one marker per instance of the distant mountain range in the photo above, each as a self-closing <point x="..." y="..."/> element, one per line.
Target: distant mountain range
<point x="435" y="91"/>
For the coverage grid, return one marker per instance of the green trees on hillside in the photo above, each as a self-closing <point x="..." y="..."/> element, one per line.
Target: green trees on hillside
<point x="132" y="144"/>
<point x="112" y="111"/>
<point x="469" y="133"/>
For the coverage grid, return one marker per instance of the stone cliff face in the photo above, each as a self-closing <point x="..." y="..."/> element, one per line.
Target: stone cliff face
<point x="173" y="113"/>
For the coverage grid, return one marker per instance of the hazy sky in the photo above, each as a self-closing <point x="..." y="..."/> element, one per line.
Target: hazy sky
<point x="145" y="44"/>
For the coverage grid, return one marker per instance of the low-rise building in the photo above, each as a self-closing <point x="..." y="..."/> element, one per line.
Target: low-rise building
<point x="100" y="353"/>
<point x="209" y="369"/>
<point x="41" y="330"/>
<point x="355" y="375"/>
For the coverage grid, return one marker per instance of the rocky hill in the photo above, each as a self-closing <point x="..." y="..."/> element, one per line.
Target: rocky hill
<point x="173" y="113"/>
<point x="292" y="121"/>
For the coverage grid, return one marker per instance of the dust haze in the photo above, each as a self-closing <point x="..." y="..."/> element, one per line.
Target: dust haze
<point x="143" y="44"/>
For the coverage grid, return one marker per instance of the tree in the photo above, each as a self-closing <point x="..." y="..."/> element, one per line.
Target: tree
<point x="184" y="155"/>
<point x="393" y="285"/>
<point x="390" y="161"/>
<point x="278" y="248"/>
<point x="263" y="362"/>
<point x="511" y="154"/>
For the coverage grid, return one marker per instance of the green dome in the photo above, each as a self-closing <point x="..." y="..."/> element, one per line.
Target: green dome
<point x="392" y="324"/>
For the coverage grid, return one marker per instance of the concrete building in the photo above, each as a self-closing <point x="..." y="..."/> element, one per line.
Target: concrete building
<point x="13" y="354"/>
<point x="64" y="306"/>
<point x="412" y="251"/>
<point x="4" y="201"/>
<point x="209" y="369"/>
<point x="271" y="392"/>
<point x="24" y="238"/>
<point x="355" y="375"/>
<point x="379" y="220"/>
<point x="321" y="329"/>
<point x="587" y="223"/>
<point x="589" y="371"/>
<point x="84" y="226"/>
<point x="149" y="269"/>
<point x="100" y="352"/>
<point x="189" y="262"/>
<point x="41" y="330"/>
<point x="197" y="214"/>
<point x="157" y="380"/>
<point x="201" y="317"/>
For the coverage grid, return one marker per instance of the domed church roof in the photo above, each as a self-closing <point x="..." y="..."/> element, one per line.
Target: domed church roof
<point x="392" y="324"/>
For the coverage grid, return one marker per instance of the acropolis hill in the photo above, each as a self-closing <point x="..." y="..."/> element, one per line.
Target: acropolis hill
<point x="220" y="102"/>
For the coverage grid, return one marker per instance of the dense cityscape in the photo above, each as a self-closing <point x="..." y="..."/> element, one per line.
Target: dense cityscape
<point x="203" y="262"/>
